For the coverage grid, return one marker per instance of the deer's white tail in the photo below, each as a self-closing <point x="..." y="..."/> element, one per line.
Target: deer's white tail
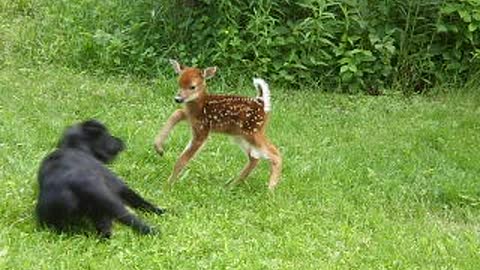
<point x="264" y="93"/>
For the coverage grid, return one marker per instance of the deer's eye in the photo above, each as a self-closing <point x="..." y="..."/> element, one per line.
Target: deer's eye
<point x="192" y="87"/>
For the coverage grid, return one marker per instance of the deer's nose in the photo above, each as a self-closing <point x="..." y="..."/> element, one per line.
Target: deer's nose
<point x="178" y="99"/>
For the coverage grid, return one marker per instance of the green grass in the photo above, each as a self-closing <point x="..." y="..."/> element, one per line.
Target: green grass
<point x="368" y="183"/>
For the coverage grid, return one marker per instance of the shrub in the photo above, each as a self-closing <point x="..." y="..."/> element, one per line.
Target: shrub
<point x="349" y="45"/>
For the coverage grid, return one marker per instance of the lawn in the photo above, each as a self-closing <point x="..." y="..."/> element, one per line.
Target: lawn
<point x="385" y="182"/>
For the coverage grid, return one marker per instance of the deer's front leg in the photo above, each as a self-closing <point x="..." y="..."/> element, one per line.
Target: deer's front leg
<point x="176" y="117"/>
<point x="197" y="141"/>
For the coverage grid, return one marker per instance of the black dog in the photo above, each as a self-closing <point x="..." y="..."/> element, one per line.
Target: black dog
<point x="74" y="183"/>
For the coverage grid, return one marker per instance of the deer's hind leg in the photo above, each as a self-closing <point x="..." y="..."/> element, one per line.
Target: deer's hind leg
<point x="252" y="162"/>
<point x="264" y="148"/>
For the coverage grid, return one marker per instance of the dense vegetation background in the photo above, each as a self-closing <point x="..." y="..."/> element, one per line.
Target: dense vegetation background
<point x="345" y="45"/>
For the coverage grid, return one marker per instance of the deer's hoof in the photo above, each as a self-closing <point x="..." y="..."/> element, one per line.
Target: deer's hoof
<point x="159" y="150"/>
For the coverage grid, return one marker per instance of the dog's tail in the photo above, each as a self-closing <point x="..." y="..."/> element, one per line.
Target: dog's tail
<point x="263" y="93"/>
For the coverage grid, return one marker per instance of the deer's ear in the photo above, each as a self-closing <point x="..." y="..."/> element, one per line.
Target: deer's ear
<point x="176" y="66"/>
<point x="209" y="72"/>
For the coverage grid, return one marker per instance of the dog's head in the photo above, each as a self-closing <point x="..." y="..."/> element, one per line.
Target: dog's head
<point x="93" y="137"/>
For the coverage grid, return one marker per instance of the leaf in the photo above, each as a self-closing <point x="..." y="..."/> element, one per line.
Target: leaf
<point x="472" y="27"/>
<point x="476" y="15"/>
<point x="441" y="28"/>
<point x="282" y="30"/>
<point x="316" y="62"/>
<point x="449" y="8"/>
<point x="300" y="66"/>
<point x="345" y="60"/>
<point x="367" y="53"/>
<point x="390" y="48"/>
<point x="465" y="15"/>
<point x="453" y="28"/>
<point x="347" y="76"/>
<point x="373" y="38"/>
<point x="325" y="41"/>
<point x="353" y="68"/>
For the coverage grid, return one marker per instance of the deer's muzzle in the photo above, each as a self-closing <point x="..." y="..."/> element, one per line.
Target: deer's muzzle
<point x="179" y="99"/>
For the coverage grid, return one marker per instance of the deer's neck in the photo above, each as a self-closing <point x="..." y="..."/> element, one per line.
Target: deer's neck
<point x="195" y="108"/>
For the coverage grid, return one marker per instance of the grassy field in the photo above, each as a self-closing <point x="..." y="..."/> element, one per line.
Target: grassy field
<point x="369" y="182"/>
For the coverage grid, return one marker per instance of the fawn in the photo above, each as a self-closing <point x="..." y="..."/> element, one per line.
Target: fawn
<point x="243" y="118"/>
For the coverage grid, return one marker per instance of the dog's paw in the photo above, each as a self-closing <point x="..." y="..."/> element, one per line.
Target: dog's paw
<point x="149" y="231"/>
<point x="105" y="235"/>
<point x="146" y="230"/>
<point x="159" y="211"/>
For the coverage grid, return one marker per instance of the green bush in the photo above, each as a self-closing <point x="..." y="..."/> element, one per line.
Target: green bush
<point x="345" y="45"/>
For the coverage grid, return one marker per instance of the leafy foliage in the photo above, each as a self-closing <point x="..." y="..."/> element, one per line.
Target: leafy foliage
<point x="349" y="45"/>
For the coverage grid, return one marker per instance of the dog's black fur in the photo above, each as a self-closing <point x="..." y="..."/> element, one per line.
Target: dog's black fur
<point x="75" y="183"/>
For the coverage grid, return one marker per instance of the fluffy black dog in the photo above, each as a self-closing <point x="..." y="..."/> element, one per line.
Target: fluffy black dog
<point x="75" y="183"/>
